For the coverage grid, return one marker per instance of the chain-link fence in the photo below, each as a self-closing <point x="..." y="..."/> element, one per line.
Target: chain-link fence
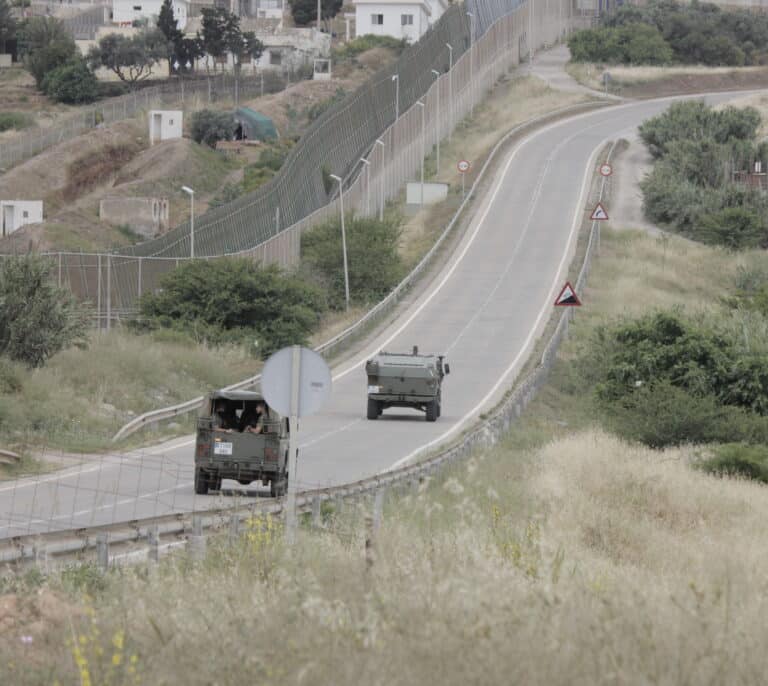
<point x="267" y="224"/>
<point x="187" y="93"/>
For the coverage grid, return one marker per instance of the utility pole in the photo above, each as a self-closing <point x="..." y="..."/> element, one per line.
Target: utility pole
<point x="423" y="148"/>
<point x="343" y="238"/>
<point x="396" y="79"/>
<point x="381" y="179"/>
<point x="436" y="74"/>
<point x="450" y="91"/>
<point x="191" y="194"/>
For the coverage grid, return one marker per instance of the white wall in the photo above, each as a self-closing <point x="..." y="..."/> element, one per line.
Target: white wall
<point x="393" y="25"/>
<point x="165" y="125"/>
<point x="15" y="213"/>
<point x="127" y="11"/>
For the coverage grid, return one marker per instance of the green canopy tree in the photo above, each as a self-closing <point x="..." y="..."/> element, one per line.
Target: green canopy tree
<point x="45" y="45"/>
<point x="7" y="24"/>
<point x="131" y="59"/>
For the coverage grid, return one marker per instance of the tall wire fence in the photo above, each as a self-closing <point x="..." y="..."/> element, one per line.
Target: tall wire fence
<point x="267" y="225"/>
<point x="187" y="93"/>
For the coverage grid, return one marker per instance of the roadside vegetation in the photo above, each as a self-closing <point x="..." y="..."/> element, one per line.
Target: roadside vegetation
<point x="664" y="32"/>
<point x="692" y="188"/>
<point x="563" y="535"/>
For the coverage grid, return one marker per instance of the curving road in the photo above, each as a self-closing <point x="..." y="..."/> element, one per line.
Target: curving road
<point x="484" y="310"/>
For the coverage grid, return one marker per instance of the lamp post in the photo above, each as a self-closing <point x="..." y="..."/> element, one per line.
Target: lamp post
<point x="381" y="180"/>
<point x="471" y="63"/>
<point x="343" y="238"/>
<point x="436" y="74"/>
<point x="367" y="185"/>
<point x="450" y="91"/>
<point x="191" y="194"/>
<point x="530" y="32"/>
<point x="396" y="79"/>
<point x="423" y="132"/>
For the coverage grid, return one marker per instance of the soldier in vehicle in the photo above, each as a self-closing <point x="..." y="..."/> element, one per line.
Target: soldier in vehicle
<point x="225" y="418"/>
<point x="253" y="419"/>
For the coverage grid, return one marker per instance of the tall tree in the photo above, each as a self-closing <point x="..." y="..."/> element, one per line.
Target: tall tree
<point x="7" y="24"/>
<point x="304" y="12"/>
<point x="216" y="25"/>
<point x="166" y="23"/>
<point x="45" y="44"/>
<point x="131" y="59"/>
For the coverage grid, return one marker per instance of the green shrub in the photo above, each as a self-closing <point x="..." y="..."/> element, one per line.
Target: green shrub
<point x="233" y="300"/>
<point x="738" y="459"/>
<point x="72" y="83"/>
<point x="210" y="127"/>
<point x="635" y="43"/>
<point x="374" y="263"/>
<point x="15" y="120"/>
<point x="37" y="319"/>
<point x="733" y="227"/>
<point x="366" y="42"/>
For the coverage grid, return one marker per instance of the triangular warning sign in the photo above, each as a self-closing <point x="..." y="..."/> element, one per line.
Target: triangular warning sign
<point x="567" y="297"/>
<point x="599" y="213"/>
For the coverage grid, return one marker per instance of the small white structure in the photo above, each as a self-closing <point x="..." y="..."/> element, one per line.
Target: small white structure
<point x="125" y="12"/>
<point x="322" y="70"/>
<point x="164" y="125"/>
<point x="15" y="213"/>
<point x="5" y="60"/>
<point x="267" y="9"/>
<point x="401" y="19"/>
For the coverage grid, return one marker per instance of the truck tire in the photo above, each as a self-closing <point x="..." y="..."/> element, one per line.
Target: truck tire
<point x="277" y="489"/>
<point x="439" y="407"/>
<point x="432" y="410"/>
<point x="201" y="482"/>
<point x="373" y="409"/>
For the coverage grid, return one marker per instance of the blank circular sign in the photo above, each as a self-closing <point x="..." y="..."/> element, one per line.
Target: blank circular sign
<point x="314" y="381"/>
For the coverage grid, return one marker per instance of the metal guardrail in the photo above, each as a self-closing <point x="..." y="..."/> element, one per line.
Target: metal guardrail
<point x="327" y="349"/>
<point x="39" y="547"/>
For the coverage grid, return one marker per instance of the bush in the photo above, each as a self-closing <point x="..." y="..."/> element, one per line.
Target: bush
<point x="72" y="83"/>
<point x="231" y="300"/>
<point x="366" y="42"/>
<point x="15" y="120"/>
<point x="47" y="44"/>
<point x="374" y="263"/>
<point x="733" y="227"/>
<point x="37" y="319"/>
<point x="210" y="127"/>
<point x="635" y="43"/>
<point x="738" y="459"/>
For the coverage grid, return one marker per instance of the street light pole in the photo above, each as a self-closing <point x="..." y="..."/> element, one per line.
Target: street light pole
<point x="381" y="179"/>
<point x="191" y="194"/>
<point x="530" y="32"/>
<point x="450" y="91"/>
<point x="343" y="238"/>
<point x="471" y="63"/>
<point x="439" y="122"/>
<point x="367" y="185"/>
<point x="423" y="134"/>
<point x="396" y="79"/>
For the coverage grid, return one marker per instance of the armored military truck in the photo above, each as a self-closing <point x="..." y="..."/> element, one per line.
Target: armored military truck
<point x="405" y="380"/>
<point x="236" y="441"/>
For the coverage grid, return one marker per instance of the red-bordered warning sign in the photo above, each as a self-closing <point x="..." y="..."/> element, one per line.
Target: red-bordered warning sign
<point x="599" y="213"/>
<point x="567" y="297"/>
<point x="606" y="169"/>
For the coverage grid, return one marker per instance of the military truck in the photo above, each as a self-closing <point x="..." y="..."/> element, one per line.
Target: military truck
<point x="405" y="380"/>
<point x="224" y="450"/>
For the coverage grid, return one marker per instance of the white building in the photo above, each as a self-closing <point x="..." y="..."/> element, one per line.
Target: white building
<point x="165" y="125"/>
<point x="401" y="19"/>
<point x="15" y="213"/>
<point x="125" y="12"/>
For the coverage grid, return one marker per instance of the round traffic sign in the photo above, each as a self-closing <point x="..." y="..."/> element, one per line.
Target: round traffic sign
<point x="606" y="169"/>
<point x="314" y="381"/>
<point x="463" y="166"/>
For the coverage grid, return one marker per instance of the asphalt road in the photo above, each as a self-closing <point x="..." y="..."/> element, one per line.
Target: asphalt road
<point x="483" y="311"/>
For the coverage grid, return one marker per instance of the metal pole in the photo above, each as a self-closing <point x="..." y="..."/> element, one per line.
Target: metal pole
<point x="98" y="291"/>
<point x="471" y="63"/>
<point x="367" y="186"/>
<point x="192" y="227"/>
<point x="343" y="239"/>
<point x="319" y="14"/>
<point x="396" y="79"/>
<point x="59" y="269"/>
<point x="439" y="122"/>
<point x="423" y="148"/>
<point x="277" y="220"/>
<point x="293" y="442"/>
<point x="450" y="91"/>
<point x="139" y="292"/>
<point x="462" y="185"/>
<point x="109" y="291"/>
<point x="530" y="32"/>
<point x="381" y="179"/>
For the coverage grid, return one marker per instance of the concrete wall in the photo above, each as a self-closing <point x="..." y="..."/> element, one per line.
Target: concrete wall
<point x="16" y="213"/>
<point x="145" y="216"/>
<point x="165" y="125"/>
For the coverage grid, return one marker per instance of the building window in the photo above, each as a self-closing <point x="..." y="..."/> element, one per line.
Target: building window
<point x="137" y="8"/>
<point x="275" y="57"/>
<point x="406" y="20"/>
<point x="377" y="19"/>
<point x="25" y="214"/>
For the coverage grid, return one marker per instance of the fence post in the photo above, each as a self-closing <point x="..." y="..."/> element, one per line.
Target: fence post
<point x="109" y="291"/>
<point x="102" y="551"/>
<point x="197" y="543"/>
<point x="139" y="293"/>
<point x="98" y="292"/>
<point x="378" y="508"/>
<point x="316" y="503"/>
<point x="59" y="269"/>
<point x="153" y="538"/>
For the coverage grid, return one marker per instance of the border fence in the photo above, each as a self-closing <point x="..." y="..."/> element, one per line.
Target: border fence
<point x="383" y="122"/>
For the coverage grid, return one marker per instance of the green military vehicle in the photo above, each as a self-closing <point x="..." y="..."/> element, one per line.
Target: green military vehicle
<point x="405" y="380"/>
<point x="233" y="442"/>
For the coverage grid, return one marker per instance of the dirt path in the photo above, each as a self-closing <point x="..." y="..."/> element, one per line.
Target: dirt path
<point x="629" y="168"/>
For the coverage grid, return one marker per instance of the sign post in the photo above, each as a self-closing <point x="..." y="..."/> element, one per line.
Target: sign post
<point x="296" y="382"/>
<point x="463" y="166"/>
